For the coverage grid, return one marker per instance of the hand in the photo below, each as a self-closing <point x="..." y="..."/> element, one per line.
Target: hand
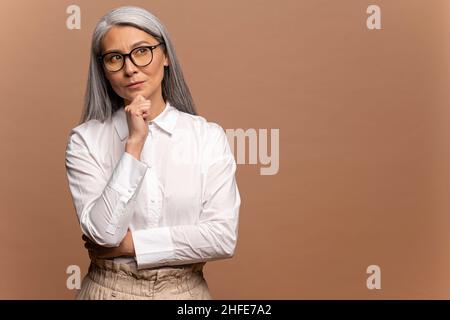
<point x="137" y="113"/>
<point x="126" y="248"/>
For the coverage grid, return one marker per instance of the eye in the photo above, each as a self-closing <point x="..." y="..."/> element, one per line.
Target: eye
<point x="115" y="57"/>
<point x="142" y="51"/>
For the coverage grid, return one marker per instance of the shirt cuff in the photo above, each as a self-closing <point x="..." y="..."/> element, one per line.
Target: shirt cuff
<point x="153" y="247"/>
<point x="127" y="176"/>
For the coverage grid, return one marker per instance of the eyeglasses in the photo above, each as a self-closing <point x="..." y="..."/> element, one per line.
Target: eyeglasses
<point x="140" y="56"/>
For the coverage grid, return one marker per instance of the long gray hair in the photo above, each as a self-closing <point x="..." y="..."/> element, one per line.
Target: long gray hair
<point x="100" y="100"/>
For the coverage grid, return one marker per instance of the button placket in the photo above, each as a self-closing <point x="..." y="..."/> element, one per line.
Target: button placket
<point x="153" y="185"/>
<point x="155" y="195"/>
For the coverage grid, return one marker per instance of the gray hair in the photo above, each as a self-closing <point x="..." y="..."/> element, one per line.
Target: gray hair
<point x="100" y="100"/>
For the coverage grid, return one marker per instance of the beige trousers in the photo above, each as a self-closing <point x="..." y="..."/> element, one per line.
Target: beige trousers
<point x="109" y="280"/>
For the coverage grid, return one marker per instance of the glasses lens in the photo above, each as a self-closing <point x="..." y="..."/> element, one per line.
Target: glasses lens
<point x="113" y="61"/>
<point x="142" y="56"/>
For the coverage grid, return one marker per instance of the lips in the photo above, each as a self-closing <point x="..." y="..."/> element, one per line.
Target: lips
<point x="133" y="83"/>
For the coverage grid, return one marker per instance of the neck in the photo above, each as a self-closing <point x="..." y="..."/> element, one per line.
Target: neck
<point x="157" y="106"/>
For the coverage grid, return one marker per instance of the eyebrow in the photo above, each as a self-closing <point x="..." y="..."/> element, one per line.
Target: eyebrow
<point x="132" y="46"/>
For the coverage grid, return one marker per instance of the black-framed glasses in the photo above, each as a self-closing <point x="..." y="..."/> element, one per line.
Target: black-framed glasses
<point x="140" y="56"/>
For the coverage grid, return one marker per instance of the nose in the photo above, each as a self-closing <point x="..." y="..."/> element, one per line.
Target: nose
<point x="129" y="66"/>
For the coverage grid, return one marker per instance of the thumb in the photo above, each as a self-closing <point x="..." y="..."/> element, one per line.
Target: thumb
<point x="139" y="98"/>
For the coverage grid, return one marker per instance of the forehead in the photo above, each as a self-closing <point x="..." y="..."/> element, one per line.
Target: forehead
<point x="123" y="37"/>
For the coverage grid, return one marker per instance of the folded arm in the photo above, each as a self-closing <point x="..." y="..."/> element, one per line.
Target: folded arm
<point x="215" y="235"/>
<point x="104" y="204"/>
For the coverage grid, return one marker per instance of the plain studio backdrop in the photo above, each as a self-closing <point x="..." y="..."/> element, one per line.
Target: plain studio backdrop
<point x="364" y="161"/>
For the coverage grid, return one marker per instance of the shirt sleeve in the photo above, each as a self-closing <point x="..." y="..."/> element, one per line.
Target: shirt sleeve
<point x="215" y="235"/>
<point x="104" y="204"/>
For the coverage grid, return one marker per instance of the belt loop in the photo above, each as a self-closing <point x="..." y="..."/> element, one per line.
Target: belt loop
<point x="179" y="281"/>
<point x="113" y="277"/>
<point x="153" y="281"/>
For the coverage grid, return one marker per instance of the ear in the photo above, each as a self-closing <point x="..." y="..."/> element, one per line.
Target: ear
<point x="166" y="61"/>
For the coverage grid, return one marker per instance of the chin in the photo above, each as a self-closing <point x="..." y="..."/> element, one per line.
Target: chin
<point x="131" y="97"/>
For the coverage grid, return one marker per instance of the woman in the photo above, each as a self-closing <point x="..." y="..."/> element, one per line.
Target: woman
<point x="153" y="184"/>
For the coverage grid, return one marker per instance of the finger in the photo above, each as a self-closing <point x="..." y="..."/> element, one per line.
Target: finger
<point x="142" y="102"/>
<point x="135" y="107"/>
<point x="137" y="112"/>
<point x="138" y="98"/>
<point x="144" y="109"/>
<point x="143" y="106"/>
<point x="140" y="112"/>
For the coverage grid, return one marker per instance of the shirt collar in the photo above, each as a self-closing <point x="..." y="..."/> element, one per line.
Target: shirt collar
<point x="166" y="120"/>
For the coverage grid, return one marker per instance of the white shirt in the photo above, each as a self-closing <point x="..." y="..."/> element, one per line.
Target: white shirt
<point x="180" y="201"/>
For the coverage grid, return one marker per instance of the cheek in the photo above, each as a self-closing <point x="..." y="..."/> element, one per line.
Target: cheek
<point x="114" y="81"/>
<point x="155" y="75"/>
<point x="116" y="85"/>
<point x="157" y="79"/>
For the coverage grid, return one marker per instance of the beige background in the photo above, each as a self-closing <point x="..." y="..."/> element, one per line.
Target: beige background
<point x="364" y="141"/>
